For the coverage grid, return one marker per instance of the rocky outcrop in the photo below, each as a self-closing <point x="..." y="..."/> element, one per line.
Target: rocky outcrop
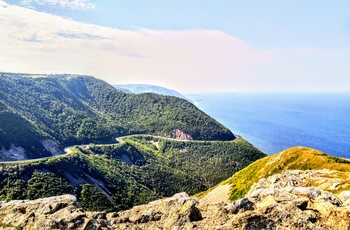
<point x="180" y="135"/>
<point x="51" y="147"/>
<point x="15" y="153"/>
<point x="60" y="212"/>
<point x="282" y="201"/>
<point x="177" y="212"/>
<point x="298" y="200"/>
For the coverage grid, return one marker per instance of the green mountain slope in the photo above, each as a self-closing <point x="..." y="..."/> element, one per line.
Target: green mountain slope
<point x="39" y="115"/>
<point x="138" y="170"/>
<point x="297" y="158"/>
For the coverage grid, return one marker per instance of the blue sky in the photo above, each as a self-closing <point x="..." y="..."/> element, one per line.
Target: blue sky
<point x="190" y="46"/>
<point x="260" y="23"/>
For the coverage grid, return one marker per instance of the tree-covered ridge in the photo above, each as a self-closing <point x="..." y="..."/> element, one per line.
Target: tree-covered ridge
<point x="71" y="109"/>
<point x="140" y="169"/>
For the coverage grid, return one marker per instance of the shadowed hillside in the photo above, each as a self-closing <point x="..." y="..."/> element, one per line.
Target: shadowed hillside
<point x="41" y="114"/>
<point x="136" y="171"/>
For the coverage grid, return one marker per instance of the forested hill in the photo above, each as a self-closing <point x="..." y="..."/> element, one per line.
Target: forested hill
<point x="40" y="114"/>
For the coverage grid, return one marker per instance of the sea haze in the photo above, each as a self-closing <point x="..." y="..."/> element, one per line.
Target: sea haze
<point x="274" y="122"/>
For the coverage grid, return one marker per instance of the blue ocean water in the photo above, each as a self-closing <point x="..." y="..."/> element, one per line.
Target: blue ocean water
<point x="274" y="122"/>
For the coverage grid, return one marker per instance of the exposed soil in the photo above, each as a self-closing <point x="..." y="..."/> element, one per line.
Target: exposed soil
<point x="219" y="194"/>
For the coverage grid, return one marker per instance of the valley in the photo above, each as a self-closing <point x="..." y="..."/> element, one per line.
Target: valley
<point x="67" y="110"/>
<point x="132" y="172"/>
<point x="68" y="150"/>
<point x="166" y="147"/>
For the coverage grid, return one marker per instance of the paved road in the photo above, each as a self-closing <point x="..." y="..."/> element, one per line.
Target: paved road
<point x="68" y="150"/>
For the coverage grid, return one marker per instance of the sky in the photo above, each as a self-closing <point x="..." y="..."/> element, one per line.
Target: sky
<point x="192" y="46"/>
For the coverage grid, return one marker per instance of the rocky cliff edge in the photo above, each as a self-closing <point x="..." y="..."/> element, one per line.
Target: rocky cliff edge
<point x="292" y="200"/>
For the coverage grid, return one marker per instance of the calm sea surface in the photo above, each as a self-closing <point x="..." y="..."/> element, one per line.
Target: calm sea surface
<point x="274" y="122"/>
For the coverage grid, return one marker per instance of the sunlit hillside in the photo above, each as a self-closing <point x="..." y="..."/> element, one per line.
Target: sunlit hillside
<point x="298" y="158"/>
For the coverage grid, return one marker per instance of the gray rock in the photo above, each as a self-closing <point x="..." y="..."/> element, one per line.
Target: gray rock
<point x="309" y="192"/>
<point x="273" y="203"/>
<point x="240" y="205"/>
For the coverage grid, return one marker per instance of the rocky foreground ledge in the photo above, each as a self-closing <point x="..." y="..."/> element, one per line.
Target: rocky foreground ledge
<point x="282" y="201"/>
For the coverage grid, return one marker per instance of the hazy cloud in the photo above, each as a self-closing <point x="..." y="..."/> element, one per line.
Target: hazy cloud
<point x="71" y="4"/>
<point x="189" y="60"/>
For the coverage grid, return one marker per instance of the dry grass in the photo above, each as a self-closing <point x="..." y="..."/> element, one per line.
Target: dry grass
<point x="300" y="158"/>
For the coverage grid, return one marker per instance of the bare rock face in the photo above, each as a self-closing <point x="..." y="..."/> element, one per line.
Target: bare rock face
<point x="60" y="212"/>
<point x="180" y="135"/>
<point x="177" y="212"/>
<point x="288" y="201"/>
<point x="15" y="153"/>
<point x="51" y="147"/>
<point x="283" y="201"/>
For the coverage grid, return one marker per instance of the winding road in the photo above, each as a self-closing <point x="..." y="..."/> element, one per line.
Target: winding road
<point x="68" y="150"/>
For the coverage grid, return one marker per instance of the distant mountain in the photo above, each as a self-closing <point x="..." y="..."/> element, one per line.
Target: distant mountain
<point x="144" y="88"/>
<point x="41" y="114"/>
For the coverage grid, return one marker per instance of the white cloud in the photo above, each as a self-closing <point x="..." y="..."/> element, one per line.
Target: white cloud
<point x="71" y="4"/>
<point x="189" y="61"/>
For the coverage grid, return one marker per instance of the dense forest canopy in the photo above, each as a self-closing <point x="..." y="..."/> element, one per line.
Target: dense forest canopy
<point x="73" y="109"/>
<point x="138" y="170"/>
<point x="40" y="114"/>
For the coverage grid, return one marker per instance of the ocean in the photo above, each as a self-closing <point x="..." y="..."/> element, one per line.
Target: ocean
<point x="277" y="121"/>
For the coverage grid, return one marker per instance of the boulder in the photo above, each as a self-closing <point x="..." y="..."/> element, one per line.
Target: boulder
<point x="241" y="205"/>
<point x="284" y="201"/>
<point x="60" y="212"/>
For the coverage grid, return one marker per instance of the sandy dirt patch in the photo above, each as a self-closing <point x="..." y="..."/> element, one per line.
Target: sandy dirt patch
<point x="220" y="193"/>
